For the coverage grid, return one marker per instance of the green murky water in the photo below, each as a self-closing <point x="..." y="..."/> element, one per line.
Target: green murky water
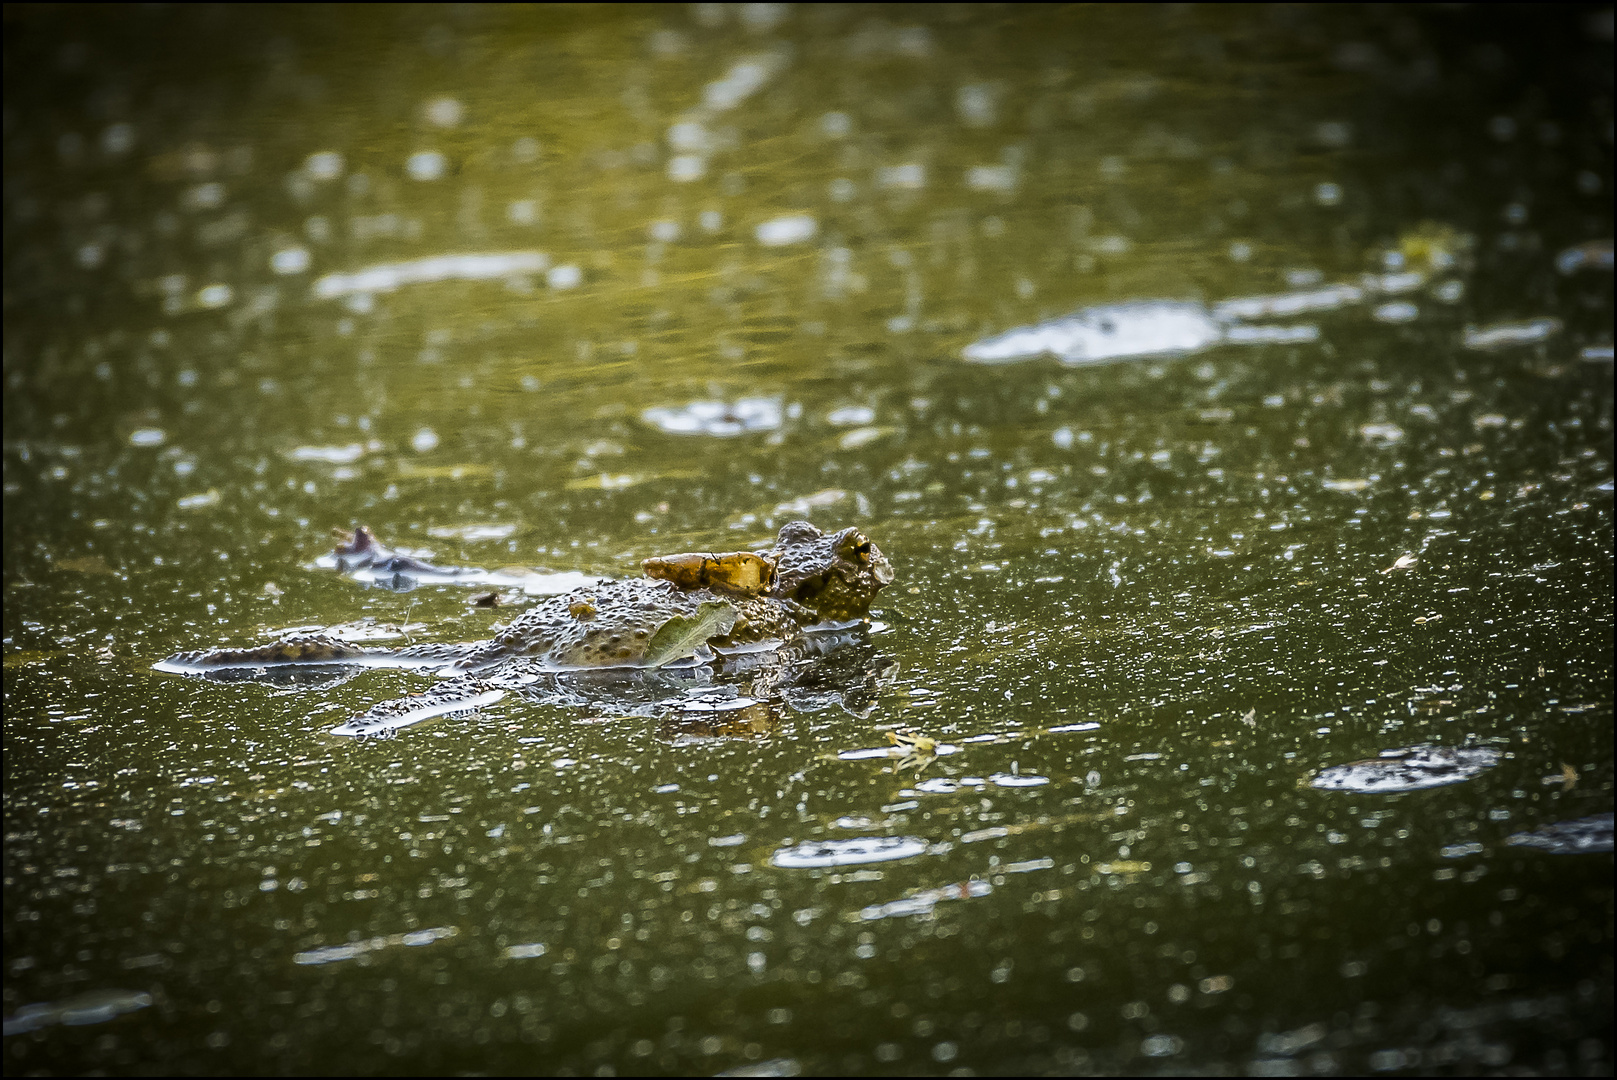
<point x="729" y="259"/>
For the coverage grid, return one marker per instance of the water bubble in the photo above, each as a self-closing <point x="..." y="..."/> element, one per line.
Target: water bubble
<point x="852" y="414"/>
<point x="566" y="276"/>
<point x="424" y="440"/>
<point x="1327" y="193"/>
<point x="668" y="42"/>
<point x="324" y="165"/>
<point x="1161" y="1045"/>
<point x="426" y="165"/>
<point x="118" y="139"/>
<point x="683" y="168"/>
<point x="977" y="104"/>
<point x="761" y="18"/>
<point x="207" y="196"/>
<point x="910" y="176"/>
<point x="291" y="260"/>
<point x="215" y="296"/>
<point x="689" y="137"/>
<point x="525" y="952"/>
<point x="444" y="112"/>
<point x="792" y="229"/>
<point x="1399" y="311"/>
<point x="1333" y="133"/>
<point x="991" y="178"/>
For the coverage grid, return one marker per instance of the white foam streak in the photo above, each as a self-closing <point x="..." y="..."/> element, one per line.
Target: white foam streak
<point x="387" y="277"/>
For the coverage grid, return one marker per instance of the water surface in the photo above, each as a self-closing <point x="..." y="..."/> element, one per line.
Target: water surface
<point x="564" y="289"/>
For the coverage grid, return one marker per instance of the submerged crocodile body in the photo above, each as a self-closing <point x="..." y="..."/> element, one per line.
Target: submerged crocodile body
<point x="694" y="609"/>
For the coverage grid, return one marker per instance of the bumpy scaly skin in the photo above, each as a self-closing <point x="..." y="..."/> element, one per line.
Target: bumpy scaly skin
<point x="610" y="623"/>
<point x="820" y="579"/>
<point x="835" y="576"/>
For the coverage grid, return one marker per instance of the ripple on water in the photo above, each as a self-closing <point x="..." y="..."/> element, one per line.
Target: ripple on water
<point x="922" y="903"/>
<point x="864" y="849"/>
<point x="1411" y="768"/>
<point x="1590" y="834"/>
<point x="332" y="954"/>
<point x="1018" y="780"/>
<point x="718" y="417"/>
<point x="95" y="1007"/>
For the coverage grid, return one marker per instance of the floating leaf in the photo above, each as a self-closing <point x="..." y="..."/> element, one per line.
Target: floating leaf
<point x="682" y="635"/>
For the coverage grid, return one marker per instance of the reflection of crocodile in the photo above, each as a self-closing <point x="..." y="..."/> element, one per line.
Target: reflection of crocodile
<point x="693" y="607"/>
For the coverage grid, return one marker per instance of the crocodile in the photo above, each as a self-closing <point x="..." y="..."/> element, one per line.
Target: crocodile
<point x="695" y="609"/>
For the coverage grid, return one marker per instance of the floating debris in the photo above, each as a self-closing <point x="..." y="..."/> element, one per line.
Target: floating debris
<point x="332" y="954"/>
<point x="1590" y="834"/>
<point x="1123" y="866"/>
<point x="853" y="852"/>
<point x="922" y="902"/>
<point x="912" y="741"/>
<point x="1409" y="769"/>
<point x="95" y="1007"/>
